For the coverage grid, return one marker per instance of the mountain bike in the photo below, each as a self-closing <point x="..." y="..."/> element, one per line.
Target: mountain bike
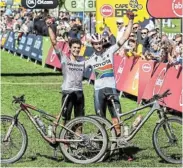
<point x="167" y="134"/>
<point x="82" y="140"/>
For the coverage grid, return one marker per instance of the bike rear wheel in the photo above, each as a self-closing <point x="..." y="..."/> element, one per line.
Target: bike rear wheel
<point x="89" y="146"/>
<point x="15" y="146"/>
<point x="111" y="135"/>
<point x="167" y="140"/>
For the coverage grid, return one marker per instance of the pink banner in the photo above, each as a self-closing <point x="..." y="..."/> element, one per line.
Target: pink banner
<point x="145" y="72"/>
<point x="173" y="82"/>
<point x="122" y="68"/>
<point x="52" y="58"/>
<point x="156" y="82"/>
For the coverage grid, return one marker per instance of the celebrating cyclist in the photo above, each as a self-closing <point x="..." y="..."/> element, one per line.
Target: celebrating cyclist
<point x="72" y="69"/>
<point x="102" y="63"/>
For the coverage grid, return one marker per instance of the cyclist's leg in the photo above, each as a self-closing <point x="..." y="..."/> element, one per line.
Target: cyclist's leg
<point x="79" y="108"/>
<point x="79" y="104"/>
<point x="100" y="103"/>
<point x="112" y="111"/>
<point x="66" y="114"/>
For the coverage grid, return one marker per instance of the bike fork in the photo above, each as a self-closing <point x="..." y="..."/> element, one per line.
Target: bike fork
<point x="9" y="131"/>
<point x="12" y="125"/>
<point x="167" y="128"/>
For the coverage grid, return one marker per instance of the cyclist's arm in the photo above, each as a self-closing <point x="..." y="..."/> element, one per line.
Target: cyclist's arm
<point x="126" y="34"/>
<point x="54" y="42"/>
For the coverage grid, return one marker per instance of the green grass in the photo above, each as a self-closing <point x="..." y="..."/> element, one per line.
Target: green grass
<point x="15" y="70"/>
<point x="177" y="29"/>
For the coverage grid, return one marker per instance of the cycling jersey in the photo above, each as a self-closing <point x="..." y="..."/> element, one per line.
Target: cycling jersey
<point x="72" y="73"/>
<point x="103" y="68"/>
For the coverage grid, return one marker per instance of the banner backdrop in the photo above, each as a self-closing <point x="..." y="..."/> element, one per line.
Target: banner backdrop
<point x="122" y="71"/>
<point x="173" y="81"/>
<point x="10" y="42"/>
<point x="132" y="80"/>
<point x="28" y="45"/>
<point x="21" y="45"/>
<point x="52" y="58"/>
<point x="156" y="82"/>
<point x="145" y="72"/>
<point x="36" y="51"/>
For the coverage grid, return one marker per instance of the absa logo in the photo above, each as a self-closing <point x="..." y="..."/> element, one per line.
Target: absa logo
<point x="177" y="8"/>
<point x="106" y="10"/>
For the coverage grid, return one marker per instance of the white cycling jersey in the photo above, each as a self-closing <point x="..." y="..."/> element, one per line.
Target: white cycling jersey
<point x="102" y="66"/>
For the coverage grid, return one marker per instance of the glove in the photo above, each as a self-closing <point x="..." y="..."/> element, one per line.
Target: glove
<point x="130" y="15"/>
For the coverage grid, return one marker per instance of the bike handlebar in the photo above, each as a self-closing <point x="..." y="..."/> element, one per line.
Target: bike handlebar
<point x="18" y="99"/>
<point x="160" y="96"/>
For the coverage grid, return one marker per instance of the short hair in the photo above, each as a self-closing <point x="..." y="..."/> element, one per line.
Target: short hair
<point x="74" y="41"/>
<point x="145" y="29"/>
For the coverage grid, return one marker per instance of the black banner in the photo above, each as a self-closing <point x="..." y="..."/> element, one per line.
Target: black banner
<point x="29" y="44"/>
<point x="39" y="4"/>
<point x="10" y="42"/>
<point x="21" y="45"/>
<point x="36" y="49"/>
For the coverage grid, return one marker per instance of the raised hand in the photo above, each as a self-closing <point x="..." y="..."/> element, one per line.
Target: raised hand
<point x="130" y="15"/>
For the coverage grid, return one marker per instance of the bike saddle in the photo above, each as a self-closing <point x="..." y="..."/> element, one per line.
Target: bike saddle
<point x="110" y="95"/>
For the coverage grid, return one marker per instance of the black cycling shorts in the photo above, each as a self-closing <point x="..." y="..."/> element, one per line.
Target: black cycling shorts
<point x="101" y="102"/>
<point x="76" y="100"/>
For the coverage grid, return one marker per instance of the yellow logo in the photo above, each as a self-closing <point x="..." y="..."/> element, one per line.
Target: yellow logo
<point x="120" y="8"/>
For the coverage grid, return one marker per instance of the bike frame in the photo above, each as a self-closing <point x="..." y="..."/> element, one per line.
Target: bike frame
<point x="155" y="107"/>
<point x="55" y="122"/>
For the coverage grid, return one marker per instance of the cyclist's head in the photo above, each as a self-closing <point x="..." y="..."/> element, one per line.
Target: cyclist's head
<point x="75" y="47"/>
<point x="97" y="42"/>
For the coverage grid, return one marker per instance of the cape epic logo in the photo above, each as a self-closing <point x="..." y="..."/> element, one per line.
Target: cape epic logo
<point x="159" y="81"/>
<point x="177" y="8"/>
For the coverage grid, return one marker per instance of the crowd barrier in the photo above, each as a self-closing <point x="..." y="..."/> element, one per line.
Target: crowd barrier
<point x="133" y="75"/>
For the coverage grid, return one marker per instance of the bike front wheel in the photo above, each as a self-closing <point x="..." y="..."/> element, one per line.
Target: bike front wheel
<point x="85" y="140"/>
<point x="167" y="140"/>
<point x="111" y="135"/>
<point x="15" y="146"/>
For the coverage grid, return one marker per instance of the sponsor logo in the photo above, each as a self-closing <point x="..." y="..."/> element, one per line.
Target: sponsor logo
<point x="106" y="10"/>
<point x="31" y="3"/>
<point x="102" y="64"/>
<point x="39" y="4"/>
<point x="159" y="81"/>
<point x="135" y="81"/>
<point x="177" y="8"/>
<point x="120" y="69"/>
<point x="53" y="55"/>
<point x="146" y="67"/>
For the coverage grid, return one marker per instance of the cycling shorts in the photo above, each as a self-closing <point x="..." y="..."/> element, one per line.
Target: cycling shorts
<point x="101" y="102"/>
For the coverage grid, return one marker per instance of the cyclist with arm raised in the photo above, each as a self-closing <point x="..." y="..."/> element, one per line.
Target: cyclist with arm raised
<point x="72" y="70"/>
<point x="102" y="64"/>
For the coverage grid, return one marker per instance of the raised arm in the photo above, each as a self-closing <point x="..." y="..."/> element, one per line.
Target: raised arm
<point x="53" y="37"/>
<point x="126" y="34"/>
